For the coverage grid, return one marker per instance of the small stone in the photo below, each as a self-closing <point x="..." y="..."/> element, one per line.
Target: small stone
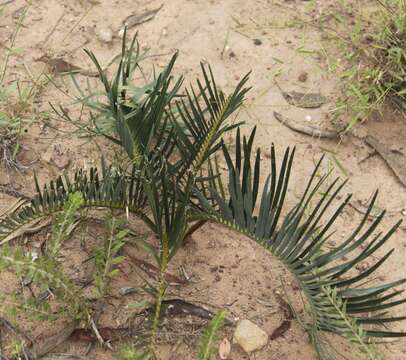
<point x="302" y="76"/>
<point x="249" y="336"/>
<point x="257" y="42"/>
<point x="164" y="32"/>
<point x="308" y="118"/>
<point x="126" y="290"/>
<point x="105" y="35"/>
<point x="403" y="212"/>
<point x="25" y="281"/>
<point x="224" y="349"/>
<point x="359" y="132"/>
<point x="47" y="155"/>
<point x="361" y="267"/>
<point x="396" y="148"/>
<point x="61" y="161"/>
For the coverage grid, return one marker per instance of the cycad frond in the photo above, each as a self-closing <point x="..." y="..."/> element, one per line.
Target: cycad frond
<point x="298" y="239"/>
<point x="139" y="120"/>
<point x="204" y="116"/>
<point x="111" y="190"/>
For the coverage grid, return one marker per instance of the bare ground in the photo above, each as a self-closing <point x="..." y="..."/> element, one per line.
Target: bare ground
<point x="275" y="41"/>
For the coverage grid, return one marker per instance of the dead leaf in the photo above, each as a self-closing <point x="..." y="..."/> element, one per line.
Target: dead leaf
<point x="281" y="329"/>
<point x="107" y="333"/>
<point x="150" y="269"/>
<point x="29" y="228"/>
<point x="305" y="129"/>
<point x="137" y="19"/>
<point x="224" y="349"/>
<point x="181" y="307"/>
<point x="396" y="160"/>
<point x="303" y="100"/>
<point x="60" y="66"/>
<point x="51" y="342"/>
<point x="61" y="161"/>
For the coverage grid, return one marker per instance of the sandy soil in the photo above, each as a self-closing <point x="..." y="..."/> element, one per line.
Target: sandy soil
<point x="275" y="41"/>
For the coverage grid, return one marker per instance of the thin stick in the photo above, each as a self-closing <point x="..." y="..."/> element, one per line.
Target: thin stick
<point x="77" y="23"/>
<point x="52" y="30"/>
<point x="194" y="227"/>
<point x="13" y="39"/>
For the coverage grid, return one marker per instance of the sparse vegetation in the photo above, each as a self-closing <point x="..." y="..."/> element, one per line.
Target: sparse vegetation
<point x="46" y="273"/>
<point x="17" y="94"/>
<point x="107" y="255"/>
<point x="373" y="61"/>
<point x="173" y="183"/>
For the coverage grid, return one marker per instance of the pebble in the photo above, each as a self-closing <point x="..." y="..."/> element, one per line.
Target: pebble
<point x="121" y="33"/>
<point x="308" y="118"/>
<point x="257" y="42"/>
<point x="359" y="132"/>
<point x="250" y="336"/>
<point x="105" y="34"/>
<point x="224" y="349"/>
<point x="361" y="267"/>
<point x="302" y="76"/>
<point x="127" y="291"/>
<point x="61" y="161"/>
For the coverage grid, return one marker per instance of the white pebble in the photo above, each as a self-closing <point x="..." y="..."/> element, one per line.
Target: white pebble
<point x="105" y="35"/>
<point x="308" y="118"/>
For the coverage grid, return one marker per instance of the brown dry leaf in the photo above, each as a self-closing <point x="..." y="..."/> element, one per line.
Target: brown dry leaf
<point x="137" y="19"/>
<point x="395" y="159"/>
<point x="224" y="349"/>
<point x="303" y="100"/>
<point x="305" y="129"/>
<point x="60" y="66"/>
<point x="281" y="329"/>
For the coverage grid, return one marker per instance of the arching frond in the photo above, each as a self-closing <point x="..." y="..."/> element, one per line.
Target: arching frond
<point x="204" y="114"/>
<point x="111" y="189"/>
<point x="298" y="238"/>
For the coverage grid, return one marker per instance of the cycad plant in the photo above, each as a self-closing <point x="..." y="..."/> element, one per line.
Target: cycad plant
<point x="173" y="183"/>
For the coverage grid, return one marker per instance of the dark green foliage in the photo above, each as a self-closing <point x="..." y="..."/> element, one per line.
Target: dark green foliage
<point x="174" y="185"/>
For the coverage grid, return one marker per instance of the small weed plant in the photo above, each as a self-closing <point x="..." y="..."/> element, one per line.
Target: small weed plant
<point x="17" y="95"/>
<point x="373" y="70"/>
